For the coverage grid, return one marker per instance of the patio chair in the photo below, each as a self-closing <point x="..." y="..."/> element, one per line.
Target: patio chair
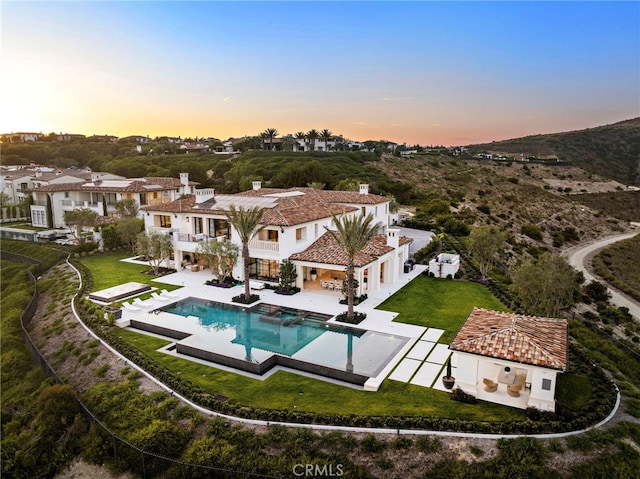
<point x="166" y="293"/>
<point x="513" y="390"/>
<point x="489" y="385"/>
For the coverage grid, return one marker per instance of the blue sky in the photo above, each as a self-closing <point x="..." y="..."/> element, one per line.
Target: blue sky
<point x="421" y="72"/>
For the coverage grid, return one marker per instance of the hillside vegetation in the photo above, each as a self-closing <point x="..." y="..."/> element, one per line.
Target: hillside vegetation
<point x="612" y="151"/>
<point x="619" y="264"/>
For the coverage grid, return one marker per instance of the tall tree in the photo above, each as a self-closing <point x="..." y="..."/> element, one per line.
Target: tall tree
<point x="79" y="219"/>
<point x="326" y="136"/>
<point x="221" y="256"/>
<point x="270" y="133"/>
<point x="546" y="285"/>
<point x="352" y="234"/>
<point x="156" y="248"/>
<point x="129" y="228"/>
<point x="127" y="208"/>
<point x="247" y="223"/>
<point x="312" y="135"/>
<point x="485" y="244"/>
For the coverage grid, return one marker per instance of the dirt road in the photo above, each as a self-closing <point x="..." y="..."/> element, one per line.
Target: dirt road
<point x="580" y="257"/>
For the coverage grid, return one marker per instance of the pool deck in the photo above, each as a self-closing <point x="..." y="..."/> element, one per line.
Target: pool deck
<point x="193" y="285"/>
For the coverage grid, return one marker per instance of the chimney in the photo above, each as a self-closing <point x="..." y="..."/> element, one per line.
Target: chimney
<point x="364" y="189"/>
<point x="393" y="238"/>
<point x="184" y="181"/>
<point x="257" y="185"/>
<point x="38" y="173"/>
<point x="95" y="177"/>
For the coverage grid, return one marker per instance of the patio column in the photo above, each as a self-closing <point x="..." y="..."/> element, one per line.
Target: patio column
<point x="300" y="277"/>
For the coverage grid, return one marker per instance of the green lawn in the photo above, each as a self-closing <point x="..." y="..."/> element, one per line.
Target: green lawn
<point x="425" y="301"/>
<point x="107" y="271"/>
<point x="284" y="390"/>
<point x="440" y="303"/>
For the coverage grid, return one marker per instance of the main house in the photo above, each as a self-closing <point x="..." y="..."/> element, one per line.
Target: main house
<point x="99" y="192"/>
<point x="510" y="358"/>
<point x="296" y="222"/>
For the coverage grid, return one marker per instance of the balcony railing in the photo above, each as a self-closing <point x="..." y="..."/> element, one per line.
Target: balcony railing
<point x="192" y="238"/>
<point x="79" y="204"/>
<point x="159" y="229"/>
<point x="261" y="245"/>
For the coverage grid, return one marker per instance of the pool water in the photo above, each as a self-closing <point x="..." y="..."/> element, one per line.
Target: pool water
<point x="257" y="338"/>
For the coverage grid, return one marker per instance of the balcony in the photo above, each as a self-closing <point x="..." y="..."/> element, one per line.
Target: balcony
<point x="158" y="229"/>
<point x="261" y="245"/>
<point x="191" y="238"/>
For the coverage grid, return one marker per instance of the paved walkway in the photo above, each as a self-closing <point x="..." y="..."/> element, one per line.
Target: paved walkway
<point x="580" y="258"/>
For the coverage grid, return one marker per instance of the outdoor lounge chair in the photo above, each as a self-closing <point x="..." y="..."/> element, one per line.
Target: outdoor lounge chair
<point x="129" y="307"/>
<point x="158" y="297"/>
<point x="489" y="385"/>
<point x="166" y="293"/>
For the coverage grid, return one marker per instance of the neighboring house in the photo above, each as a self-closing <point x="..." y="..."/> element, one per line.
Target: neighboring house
<point x="136" y="138"/>
<point x="444" y="265"/>
<point x="295" y="220"/>
<point x="195" y="147"/>
<point x="103" y="138"/>
<point x="70" y="136"/>
<point x="95" y="192"/>
<point x="21" y="137"/>
<point x="16" y="184"/>
<point x="510" y="359"/>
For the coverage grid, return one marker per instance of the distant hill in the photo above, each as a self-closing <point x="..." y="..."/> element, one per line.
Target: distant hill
<point x="611" y="151"/>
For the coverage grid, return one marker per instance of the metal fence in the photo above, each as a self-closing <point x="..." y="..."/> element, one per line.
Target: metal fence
<point x="146" y="463"/>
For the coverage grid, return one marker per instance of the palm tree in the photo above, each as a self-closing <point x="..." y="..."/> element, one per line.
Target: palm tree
<point x="300" y="136"/>
<point x="247" y="223"/>
<point x="270" y="133"/>
<point x="312" y="134"/>
<point x="352" y="234"/>
<point x="326" y="136"/>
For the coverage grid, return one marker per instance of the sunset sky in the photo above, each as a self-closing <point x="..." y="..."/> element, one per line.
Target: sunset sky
<point x="449" y="73"/>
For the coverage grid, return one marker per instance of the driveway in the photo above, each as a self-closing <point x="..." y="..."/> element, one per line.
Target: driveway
<point x="580" y="257"/>
<point x="420" y="238"/>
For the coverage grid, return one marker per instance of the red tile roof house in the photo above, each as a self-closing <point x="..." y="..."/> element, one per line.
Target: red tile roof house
<point x="510" y="359"/>
<point x="295" y="220"/>
<point x="72" y="192"/>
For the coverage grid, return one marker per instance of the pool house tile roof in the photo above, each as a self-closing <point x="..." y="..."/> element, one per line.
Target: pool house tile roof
<point x="514" y="337"/>
<point x="326" y="250"/>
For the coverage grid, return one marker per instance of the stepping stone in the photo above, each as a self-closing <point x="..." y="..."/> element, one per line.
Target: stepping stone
<point x="420" y="350"/>
<point x="432" y="334"/>
<point x="427" y="373"/>
<point x="439" y="354"/>
<point x="405" y="370"/>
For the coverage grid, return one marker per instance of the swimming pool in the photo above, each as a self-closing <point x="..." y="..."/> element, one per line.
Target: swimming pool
<point x="258" y="338"/>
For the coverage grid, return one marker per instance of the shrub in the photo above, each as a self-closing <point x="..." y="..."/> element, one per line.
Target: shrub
<point x="532" y="231"/>
<point x="459" y="395"/>
<point x="370" y="444"/>
<point x="484" y="208"/>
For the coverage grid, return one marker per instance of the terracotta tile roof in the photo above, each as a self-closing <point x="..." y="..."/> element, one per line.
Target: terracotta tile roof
<point x="328" y="196"/>
<point x="285" y="210"/>
<point x="514" y="337"/>
<point x="130" y="185"/>
<point x="326" y="250"/>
